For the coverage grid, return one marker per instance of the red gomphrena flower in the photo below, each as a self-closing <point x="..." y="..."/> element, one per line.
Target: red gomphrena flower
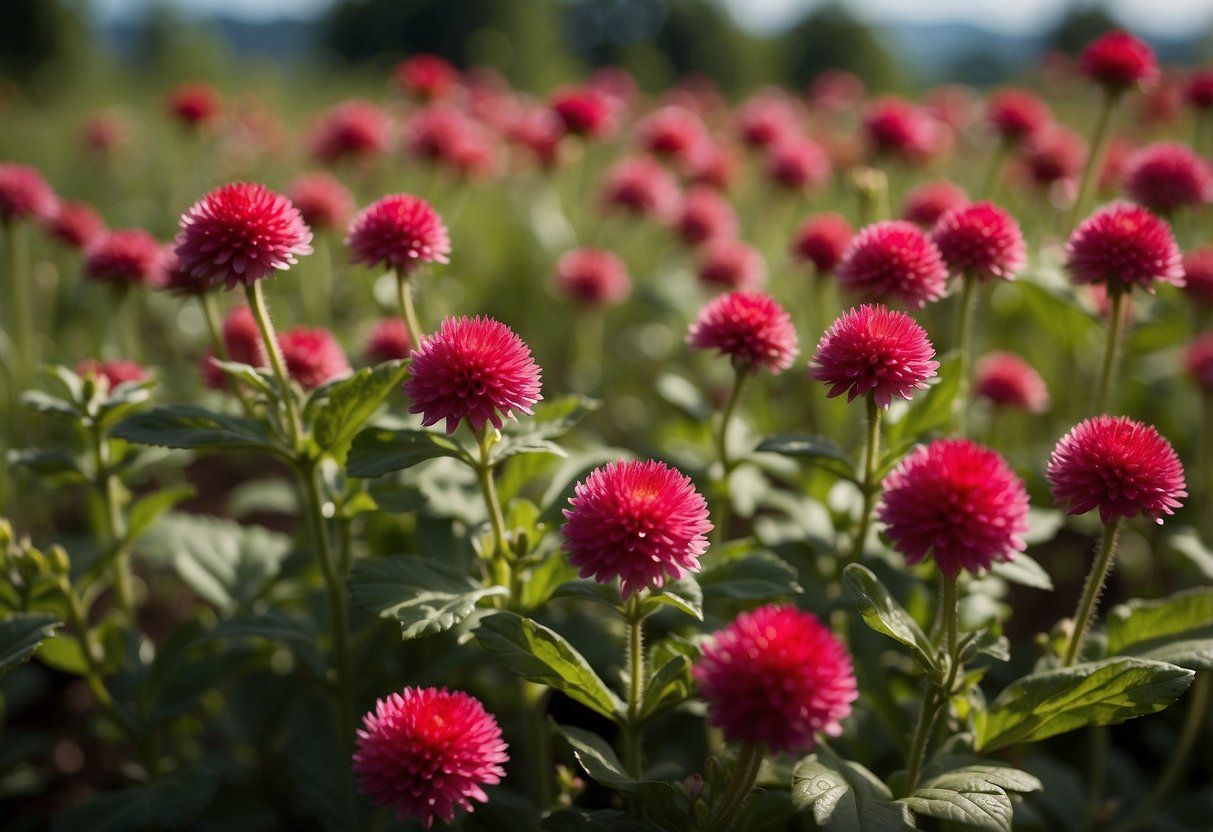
<point x="1118" y="60"/>
<point x="1119" y="466"/>
<point x="313" y="356"/>
<point x="1016" y="115"/>
<point x="731" y="264"/>
<point x="751" y="328"/>
<point x="766" y="119"/>
<point x="475" y="369"/>
<point x="389" y="340"/>
<point x="1199" y="92"/>
<point x="193" y="104"/>
<point x="955" y="106"/>
<point x="1163" y="102"/>
<point x="822" y="239"/>
<point x="241" y="232"/>
<point x="170" y="277"/>
<point x="321" y="199"/>
<point x="1008" y="381"/>
<point x="641" y="522"/>
<point x="896" y="127"/>
<point x="444" y="135"/>
<point x="585" y="111"/>
<point x="927" y="202"/>
<point x="836" y="90"/>
<point x="1123" y="246"/>
<point x="672" y="132"/>
<point x="705" y="216"/>
<point x="1055" y="154"/>
<point x="76" y="223"/>
<point x="1198" y="361"/>
<point x="25" y="194"/>
<point x="957" y="502"/>
<point x="778" y="676"/>
<point x="592" y="276"/>
<point x="799" y="164"/>
<point x="122" y="258"/>
<point x="641" y="187"/>
<point x="981" y="240"/>
<point x="539" y="130"/>
<point x="103" y="133"/>
<point x="894" y="260"/>
<point x="1198" y="275"/>
<point x="426" y="77"/>
<point x="354" y="130"/>
<point x="1167" y="176"/>
<point x="113" y="373"/>
<point x="714" y="166"/>
<point x="424" y="751"/>
<point x="401" y="231"/>
<point x="871" y="349"/>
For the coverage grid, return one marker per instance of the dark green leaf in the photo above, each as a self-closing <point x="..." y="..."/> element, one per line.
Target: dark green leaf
<point x="338" y="411"/>
<point x="510" y="447"/>
<point x="883" y="614"/>
<point x="392" y="498"/>
<point x="598" y="820"/>
<point x="974" y="795"/>
<point x="930" y="410"/>
<point x="755" y="577"/>
<point x="20" y="635"/>
<point x="169" y="803"/>
<point x="260" y="380"/>
<point x="1023" y="571"/>
<point x="552" y="419"/>
<point x="377" y="451"/>
<point x="806" y="446"/>
<point x="605" y="594"/>
<point x="48" y="463"/>
<point x="685" y="396"/>
<point x="1176" y="629"/>
<point x="683" y="594"/>
<point x="669" y="686"/>
<point x="425" y="596"/>
<point x="846" y="796"/>
<point x="149" y="509"/>
<point x="186" y="426"/>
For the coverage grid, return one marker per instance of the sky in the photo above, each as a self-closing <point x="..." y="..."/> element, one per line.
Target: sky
<point x="1158" y="17"/>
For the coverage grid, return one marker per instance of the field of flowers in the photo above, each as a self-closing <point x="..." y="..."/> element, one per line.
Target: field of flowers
<point x="611" y="462"/>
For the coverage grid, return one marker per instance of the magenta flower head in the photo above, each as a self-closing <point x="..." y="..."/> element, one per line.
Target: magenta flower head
<point x="778" y="676"/>
<point x="1167" y="176"/>
<point x="926" y="203"/>
<point x="240" y="233"/>
<point x="1007" y="380"/>
<point x="1119" y="466"/>
<point x="798" y="164"/>
<point x="673" y="133"/>
<point x="981" y="240"/>
<point x="1123" y="246"/>
<point x="313" y="356"/>
<point x="75" y="223"/>
<point x="424" y="751"/>
<point x="24" y="194"/>
<point x="401" y="231"/>
<point x="957" y="502"/>
<point x="585" y="111"/>
<point x="1054" y="154"/>
<point x="592" y="276"/>
<point x="641" y="187"/>
<point x="751" y="328"/>
<point x="355" y="129"/>
<point x="899" y="128"/>
<point x="122" y="258"/>
<point x="1199" y="90"/>
<point x="821" y="240"/>
<point x="1198" y="361"/>
<point x="1117" y="61"/>
<point x="323" y="202"/>
<point x="732" y="264"/>
<point x="193" y="104"/>
<point x="894" y="260"/>
<point x="389" y="340"/>
<point x="766" y="119"/>
<point x="170" y="277"/>
<point x="871" y="349"/>
<point x="425" y="76"/>
<point x="475" y="369"/>
<point x="641" y="522"/>
<point x="704" y="216"/>
<point x="113" y="373"/>
<point x="1016" y="114"/>
<point x="1198" y="275"/>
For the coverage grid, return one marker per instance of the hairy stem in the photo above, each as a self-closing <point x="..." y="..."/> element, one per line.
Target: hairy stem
<point x="936" y="698"/>
<point x="745" y="773"/>
<point x="633" y="728"/>
<point x="256" y="299"/>
<point x="499" y="561"/>
<point x="115" y="524"/>
<point x="1091" y="591"/>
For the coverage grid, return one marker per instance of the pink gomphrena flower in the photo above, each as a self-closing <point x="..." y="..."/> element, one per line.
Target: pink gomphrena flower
<point x="957" y="502"/>
<point x="242" y="343"/>
<point x="714" y="166"/>
<point x="585" y="111"/>
<point x="778" y="676"/>
<point x="799" y="164"/>
<point x="928" y="201"/>
<point x="313" y="357"/>
<point x="24" y="194"/>
<point x="1198" y="275"/>
<point x="389" y="340"/>
<point x="170" y="277"/>
<point x="1055" y="154"/>
<point x="1119" y="466"/>
<point x="895" y="127"/>
<point x="705" y="216"/>
<point x="955" y="106"/>
<point x="1198" y="361"/>
<point x="1115" y="163"/>
<point x="1117" y="61"/>
<point x="441" y="134"/>
<point x="871" y="349"/>
<point x="1163" y="102"/>
<point x="592" y="276"/>
<point x="1199" y="92"/>
<point x="426" y="77"/>
<point x="1016" y="115"/>
<point x="894" y="260"/>
<point x="113" y="373"/>
<point x="323" y="202"/>
<point x="751" y="328"/>
<point x="641" y="522"/>
<point x="241" y="232"/>
<point x="193" y="104"/>
<point x="1167" y="176"/>
<point x="641" y="187"/>
<point x="354" y="130"/>
<point x="731" y="264"/>
<point x="671" y="133"/>
<point x="424" y="751"/>
<point x="767" y="118"/>
<point x="1123" y="246"/>
<point x="1097" y="294"/>
<point x="122" y="258"/>
<point x="103" y="133"/>
<point x="401" y="231"/>
<point x="981" y="240"/>
<point x="475" y="369"/>
<point x="836" y="90"/>
<point x="539" y="130"/>
<point x="822" y="239"/>
<point x="1008" y="381"/>
<point x="75" y="223"/>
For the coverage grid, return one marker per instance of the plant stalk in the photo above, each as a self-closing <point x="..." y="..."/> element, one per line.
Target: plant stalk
<point x="1098" y="146"/>
<point x="1092" y="590"/>
<point x="115" y="525"/>
<point x="404" y="298"/>
<point x="1111" y="358"/>
<point x="633" y="728"/>
<point x="499" y="562"/>
<point x="745" y="773"/>
<point x="256" y="299"/>
<point x="725" y="507"/>
<point x="936" y="698"/>
<point x="964" y="344"/>
<point x="210" y="310"/>
<point x="871" y="465"/>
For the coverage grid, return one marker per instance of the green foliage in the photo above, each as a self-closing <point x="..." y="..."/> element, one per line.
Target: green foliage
<point x="1176" y="629"/>
<point x="973" y="794"/>
<point x="845" y="796"/>
<point x="883" y="614"/>
<point x="170" y="802"/>
<point x="425" y="596"/>
<point x="195" y="428"/>
<point x="376" y="451"/>
<point x="337" y="411"/>
<point x="21" y="633"/>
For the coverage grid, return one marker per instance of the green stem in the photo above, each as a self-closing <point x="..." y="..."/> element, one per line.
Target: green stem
<point x="538" y="740"/>
<point x="210" y="310"/>
<point x="745" y="773"/>
<point x="1098" y="146"/>
<point x="1111" y="358"/>
<point x="936" y="698"/>
<point x="964" y="344"/>
<point x="115" y="526"/>
<point x="499" y="562"/>
<point x="633" y="739"/>
<point x="404" y="297"/>
<point x="724" y="509"/>
<point x="256" y="301"/>
<point x="993" y="177"/>
<point x="1092" y="590"/>
<point x="871" y="464"/>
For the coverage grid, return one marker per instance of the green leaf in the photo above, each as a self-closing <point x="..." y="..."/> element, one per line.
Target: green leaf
<point x="424" y="596"/>
<point x="685" y="396"/>
<point x="605" y="594"/>
<point x="272" y="625"/>
<point x="511" y="447"/>
<point x="542" y="580"/>
<point x="338" y="411"/>
<point x="846" y="796"/>
<point x="555" y="418"/>
<point x="377" y="451"/>
<point x="190" y="427"/>
<point x="1097" y="693"/>
<point x="755" y="577"/>
<point x="538" y="654"/>
<point x="56" y="464"/>
<point x="149" y="509"/>
<point x="597" y="820"/>
<point x="819" y="450"/>
<point x="883" y="614"/>
<point x="169" y="803"/>
<point x="930" y="410"/>
<point x="21" y="633"/>
<point x="1187" y="544"/>
<point x="393" y="498"/>
<point x="260" y="380"/>
<point x="975" y="795"/>
<point x="1023" y="571"/>
<point x="48" y="405"/>
<point x="683" y="594"/>
<point x="670" y="685"/>
<point x="1176" y="629"/>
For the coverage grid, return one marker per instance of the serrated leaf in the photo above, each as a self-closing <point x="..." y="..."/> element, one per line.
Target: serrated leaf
<point x="21" y="633"/>
<point x="169" y="803"/>
<point x="1097" y="693"/>
<point x="1023" y="571"/>
<point x="424" y="596"/>
<point x="754" y="577"/>
<point x="974" y="794"/>
<point x="189" y="427"/>
<point x="541" y="655"/>
<point x="148" y="509"/>
<point x="377" y="451"/>
<point x="339" y="410"/>
<point x="845" y="796"/>
<point x="1176" y="629"/>
<point x="882" y="613"/>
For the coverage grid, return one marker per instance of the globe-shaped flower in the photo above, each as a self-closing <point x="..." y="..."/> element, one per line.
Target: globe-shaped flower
<point x="24" y="194"/>
<point x="313" y="356"/>
<point x="1117" y="60"/>
<point x="766" y="119"/>
<point x="193" y="104"/>
<point x="957" y="502"/>
<point x="475" y="369"/>
<point x="321" y="199"/>
<point x="821" y="240"/>
<point x="871" y="349"/>
<point x="355" y="130"/>
<point x="778" y="676"/>
<point x="751" y="328"/>
<point x="240" y="233"/>
<point x="1167" y="176"/>
<point x="641" y="522"/>
<point x="1124" y="246"/>
<point x="1054" y="154"/>
<point x="75" y="223"/>
<point x="1198" y="275"/>
<point x="1119" y="466"/>
<point x="170" y="277"/>
<point x="641" y="187"/>
<point x="113" y="373"/>
<point x="592" y="276"/>
<point x="425" y="76"/>
<point x="389" y="340"/>
<point x="1016" y="114"/>
<point x="798" y="164"/>
<point x="732" y="264"/>
<point x="585" y="111"/>
<point x="981" y="240"/>
<point x="1198" y="361"/>
<point x="899" y="128"/>
<point x="894" y="260"/>
<point x="1007" y="380"/>
<point x="401" y="231"/>
<point x="424" y="751"/>
<point x="705" y="216"/>
<point x="926" y="203"/>
<point x="122" y="258"/>
<point x="671" y="132"/>
<point x="1199" y="91"/>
